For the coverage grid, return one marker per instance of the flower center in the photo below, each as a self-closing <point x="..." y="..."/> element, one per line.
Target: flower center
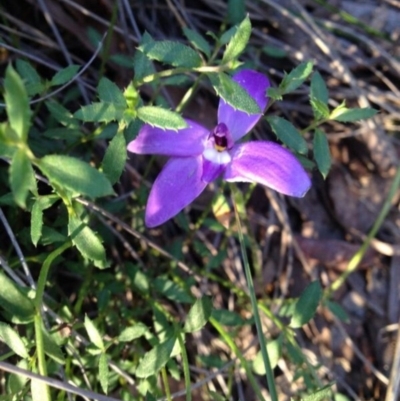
<point x="221" y="137"/>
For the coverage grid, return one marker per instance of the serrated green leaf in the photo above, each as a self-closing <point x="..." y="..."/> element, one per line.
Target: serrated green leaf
<point x="227" y="317"/>
<point x="87" y="242"/>
<point x="198" y="315"/>
<point x="100" y="112"/>
<point x="155" y="359"/>
<point x="274" y="93"/>
<point x="94" y="335"/>
<point x="14" y="301"/>
<point x="12" y="339"/>
<point x="173" y="53"/>
<point x="75" y="175"/>
<point x="322" y="153"/>
<point x="32" y="80"/>
<point x="141" y="63"/>
<point x="320" y="109"/>
<point x="115" y="158"/>
<point x="318" y="88"/>
<point x="22" y="177"/>
<point x="288" y="134"/>
<point x="133" y="332"/>
<point x="238" y="42"/>
<point x="17" y="104"/>
<point x="233" y="93"/>
<point x="346" y="115"/>
<point x="103" y="372"/>
<point x="51" y="348"/>
<point x="296" y="77"/>
<point x="159" y="117"/>
<point x="65" y="75"/>
<point x="197" y="41"/>
<point x="306" y="305"/>
<point x="110" y="93"/>
<point x="274" y="350"/>
<point x="61" y="114"/>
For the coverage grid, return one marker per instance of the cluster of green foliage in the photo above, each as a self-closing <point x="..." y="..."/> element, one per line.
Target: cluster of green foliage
<point x="51" y="174"/>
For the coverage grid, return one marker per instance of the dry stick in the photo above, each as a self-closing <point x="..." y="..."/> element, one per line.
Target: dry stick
<point x="17" y="249"/>
<point x="394" y="381"/>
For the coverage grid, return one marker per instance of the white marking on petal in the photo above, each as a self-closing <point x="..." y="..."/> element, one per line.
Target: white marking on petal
<point x="216" y="157"/>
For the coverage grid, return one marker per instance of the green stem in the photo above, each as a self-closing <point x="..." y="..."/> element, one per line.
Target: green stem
<point x="249" y="278"/>
<point x="185" y="363"/>
<point x="357" y="258"/>
<point x="42" y="367"/>
<point x="166" y="384"/>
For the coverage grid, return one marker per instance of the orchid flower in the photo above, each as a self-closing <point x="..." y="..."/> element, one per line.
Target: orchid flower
<point x="199" y="156"/>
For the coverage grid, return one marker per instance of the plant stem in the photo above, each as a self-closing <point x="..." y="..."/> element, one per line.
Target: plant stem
<point x="185" y="363"/>
<point x="166" y="384"/>
<point x="254" y="305"/>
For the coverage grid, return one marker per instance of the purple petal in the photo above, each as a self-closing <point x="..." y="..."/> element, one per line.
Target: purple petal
<point x="185" y="142"/>
<point x="211" y="171"/>
<point x="178" y="184"/>
<point x="269" y="164"/>
<point x="240" y="122"/>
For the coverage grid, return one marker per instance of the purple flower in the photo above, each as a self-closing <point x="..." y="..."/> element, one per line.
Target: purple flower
<point x="199" y="156"/>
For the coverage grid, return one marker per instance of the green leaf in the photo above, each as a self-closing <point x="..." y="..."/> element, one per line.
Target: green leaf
<point x="320" y="109"/>
<point x="14" y="301"/>
<point x="32" y="80"/>
<point x="159" y="117"/>
<point x="288" y="134"/>
<point x="65" y="75"/>
<point x="61" y="114"/>
<point x="155" y="359"/>
<point x="296" y="77"/>
<point x="319" y="97"/>
<point x="236" y="11"/>
<point x="12" y="339"/>
<point x="132" y="333"/>
<point x="17" y="104"/>
<point x="94" y="335"/>
<point x="36" y="222"/>
<point x="306" y="305"/>
<point x="174" y="53"/>
<point x="51" y="348"/>
<point x="100" y="112"/>
<point x="322" y="153"/>
<point x="274" y="93"/>
<point x="87" y="242"/>
<point x="318" y="88"/>
<point x="197" y="41"/>
<point x="274" y="350"/>
<point x="141" y="63"/>
<point x="16" y="382"/>
<point x="115" y="158"/>
<point x="75" y="175"/>
<point x="171" y="290"/>
<point x="22" y="177"/>
<point x="103" y="372"/>
<point x="345" y="115"/>
<point x="238" y="42"/>
<point x="110" y="93"/>
<point x="198" y="315"/>
<point x="227" y="317"/>
<point x="233" y="93"/>
<point x="274" y="51"/>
